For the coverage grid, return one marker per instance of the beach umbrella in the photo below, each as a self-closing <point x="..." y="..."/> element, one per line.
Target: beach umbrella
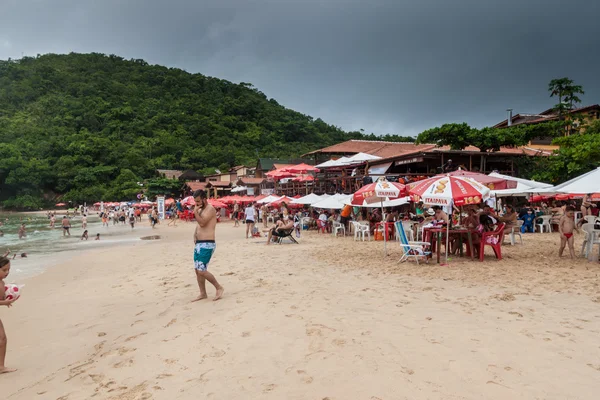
<point x="335" y="202"/>
<point x="300" y="169"/>
<point x="188" y="201"/>
<point x="275" y="203"/>
<point x="279" y="175"/>
<point x="493" y="182"/>
<point x="308" y="199"/>
<point x="379" y="192"/>
<point x="170" y="201"/>
<point x="447" y="190"/>
<point x="269" y="199"/>
<point x="216" y="203"/>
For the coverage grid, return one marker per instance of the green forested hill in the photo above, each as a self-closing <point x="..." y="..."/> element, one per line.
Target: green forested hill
<point x="89" y="126"/>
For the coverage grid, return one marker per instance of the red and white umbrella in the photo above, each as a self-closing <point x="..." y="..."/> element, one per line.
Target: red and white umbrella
<point x="445" y="190"/>
<point x="377" y="192"/>
<point x="188" y="201"/>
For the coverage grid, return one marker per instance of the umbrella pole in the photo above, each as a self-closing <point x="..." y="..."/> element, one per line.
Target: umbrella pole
<point x="384" y="231"/>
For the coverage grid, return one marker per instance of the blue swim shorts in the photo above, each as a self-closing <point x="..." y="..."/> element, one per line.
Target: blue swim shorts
<point x="203" y="252"/>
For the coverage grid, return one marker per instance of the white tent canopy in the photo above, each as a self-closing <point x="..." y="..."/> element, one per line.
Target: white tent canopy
<point x="239" y="189"/>
<point x="524" y="186"/>
<point x="359" y="158"/>
<point x="309" y="199"/>
<point x="583" y="184"/>
<point x="269" y="199"/>
<point x="335" y="202"/>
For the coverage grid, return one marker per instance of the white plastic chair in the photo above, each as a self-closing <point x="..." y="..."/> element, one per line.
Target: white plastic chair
<point x="408" y="230"/>
<point x="270" y="219"/>
<point x="338" y="227"/>
<point x="360" y="230"/>
<point x="516" y="231"/>
<point x="589" y="219"/>
<point x="587" y="246"/>
<point x="544" y="225"/>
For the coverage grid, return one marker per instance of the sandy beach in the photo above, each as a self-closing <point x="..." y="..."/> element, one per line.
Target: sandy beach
<point x="327" y="319"/>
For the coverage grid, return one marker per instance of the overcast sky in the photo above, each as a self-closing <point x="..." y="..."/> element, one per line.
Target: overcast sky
<point x="386" y="66"/>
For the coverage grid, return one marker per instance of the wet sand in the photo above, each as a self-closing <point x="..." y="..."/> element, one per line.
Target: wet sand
<point x="327" y="319"/>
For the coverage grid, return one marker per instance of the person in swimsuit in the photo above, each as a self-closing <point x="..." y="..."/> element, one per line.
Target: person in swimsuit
<point x="4" y="271"/>
<point x="250" y="219"/>
<point x="204" y="244"/>
<point x="66" y="224"/>
<point x="566" y="226"/>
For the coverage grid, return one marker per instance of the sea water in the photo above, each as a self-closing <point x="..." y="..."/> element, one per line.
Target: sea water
<point x="46" y="246"/>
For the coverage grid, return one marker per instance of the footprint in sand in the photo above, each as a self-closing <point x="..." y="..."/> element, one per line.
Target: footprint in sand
<point x="171" y="322"/>
<point x="130" y="338"/>
<point x="124" y="363"/>
<point x="339" y="342"/>
<point x="269" y="387"/>
<point x="164" y="376"/>
<point x="136" y="322"/>
<point x="245" y="334"/>
<point x="305" y="377"/>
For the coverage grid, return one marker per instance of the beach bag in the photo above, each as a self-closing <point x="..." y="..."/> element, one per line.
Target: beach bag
<point x="12" y="292"/>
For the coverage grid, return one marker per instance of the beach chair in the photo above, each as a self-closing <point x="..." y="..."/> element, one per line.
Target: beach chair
<point x="516" y="231"/>
<point x="494" y="240"/>
<point x="408" y="230"/>
<point x="287" y="234"/>
<point x="544" y="224"/>
<point x="338" y="227"/>
<point x="412" y="250"/>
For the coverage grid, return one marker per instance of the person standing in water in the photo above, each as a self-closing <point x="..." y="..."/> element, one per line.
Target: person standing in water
<point x="22" y="232"/>
<point x="66" y="225"/>
<point x="84" y="222"/>
<point x="204" y="244"/>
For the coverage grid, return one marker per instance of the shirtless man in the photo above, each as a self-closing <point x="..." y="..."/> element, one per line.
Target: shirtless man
<point x="66" y="225"/>
<point x="566" y="226"/>
<point x="204" y="241"/>
<point x="22" y="232"/>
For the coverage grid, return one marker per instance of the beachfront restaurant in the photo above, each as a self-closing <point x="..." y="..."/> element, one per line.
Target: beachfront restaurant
<point x="404" y="162"/>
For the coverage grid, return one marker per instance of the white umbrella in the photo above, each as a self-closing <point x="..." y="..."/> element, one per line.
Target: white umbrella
<point x="521" y="183"/>
<point x="361" y="157"/>
<point x="308" y="199"/>
<point x="269" y="199"/>
<point x="335" y="202"/>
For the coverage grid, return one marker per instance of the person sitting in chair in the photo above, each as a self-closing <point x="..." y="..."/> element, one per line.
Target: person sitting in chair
<point x="279" y="230"/>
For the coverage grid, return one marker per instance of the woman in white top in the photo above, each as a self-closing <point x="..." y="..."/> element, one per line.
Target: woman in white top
<point x="250" y="213"/>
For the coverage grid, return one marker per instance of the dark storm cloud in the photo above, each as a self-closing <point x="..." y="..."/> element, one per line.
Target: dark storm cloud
<point x="388" y="66"/>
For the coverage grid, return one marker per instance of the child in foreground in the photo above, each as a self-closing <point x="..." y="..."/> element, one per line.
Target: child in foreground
<point x="566" y="226"/>
<point x="4" y="271"/>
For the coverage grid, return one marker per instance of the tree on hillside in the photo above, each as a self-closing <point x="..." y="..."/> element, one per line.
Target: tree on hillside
<point x="89" y="126"/>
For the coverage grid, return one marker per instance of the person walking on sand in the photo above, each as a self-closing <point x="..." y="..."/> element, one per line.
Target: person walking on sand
<point x="250" y="217"/>
<point x="566" y="226"/>
<point x="236" y="212"/>
<point x="204" y="244"/>
<point x="66" y="225"/>
<point x="4" y="271"/>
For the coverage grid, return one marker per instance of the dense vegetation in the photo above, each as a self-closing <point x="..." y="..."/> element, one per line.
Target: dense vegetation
<point x="88" y="127"/>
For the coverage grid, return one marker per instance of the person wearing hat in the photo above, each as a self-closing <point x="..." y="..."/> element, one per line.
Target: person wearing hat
<point x="440" y="215"/>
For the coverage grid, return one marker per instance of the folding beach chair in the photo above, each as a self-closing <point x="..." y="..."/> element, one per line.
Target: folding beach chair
<point x="288" y="234"/>
<point x="414" y="250"/>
